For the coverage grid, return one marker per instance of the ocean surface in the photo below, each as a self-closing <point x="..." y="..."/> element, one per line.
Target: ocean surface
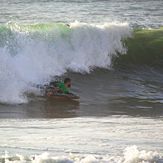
<point x="113" y="52"/>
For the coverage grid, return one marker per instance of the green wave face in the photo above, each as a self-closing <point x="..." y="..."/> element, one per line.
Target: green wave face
<point x="144" y="47"/>
<point x="59" y="27"/>
<point x="11" y="33"/>
<point x="8" y="31"/>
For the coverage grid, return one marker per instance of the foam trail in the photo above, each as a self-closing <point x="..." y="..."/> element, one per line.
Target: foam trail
<point x="33" y="54"/>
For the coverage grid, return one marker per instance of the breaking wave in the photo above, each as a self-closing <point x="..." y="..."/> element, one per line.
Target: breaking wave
<point x="33" y="54"/>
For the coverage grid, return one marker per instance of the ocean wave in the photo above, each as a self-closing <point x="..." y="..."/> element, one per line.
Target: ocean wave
<point x="145" y="47"/>
<point x="131" y="155"/>
<point x="33" y="54"/>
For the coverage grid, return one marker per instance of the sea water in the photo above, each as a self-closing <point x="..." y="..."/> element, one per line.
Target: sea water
<point x="112" y="51"/>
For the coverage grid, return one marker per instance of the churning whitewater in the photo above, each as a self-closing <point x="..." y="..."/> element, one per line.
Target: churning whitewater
<point x="130" y="155"/>
<point x="34" y="54"/>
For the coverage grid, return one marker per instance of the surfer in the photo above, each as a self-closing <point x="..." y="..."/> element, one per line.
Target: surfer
<point x="64" y="86"/>
<point x="59" y="87"/>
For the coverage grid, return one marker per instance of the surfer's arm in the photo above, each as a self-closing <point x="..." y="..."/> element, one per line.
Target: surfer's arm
<point x="53" y="91"/>
<point x="49" y="94"/>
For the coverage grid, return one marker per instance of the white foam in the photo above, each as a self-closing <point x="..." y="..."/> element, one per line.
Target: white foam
<point x="35" y="57"/>
<point x="131" y="155"/>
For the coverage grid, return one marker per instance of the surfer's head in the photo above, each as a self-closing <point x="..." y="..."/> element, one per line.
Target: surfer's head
<point x="67" y="82"/>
